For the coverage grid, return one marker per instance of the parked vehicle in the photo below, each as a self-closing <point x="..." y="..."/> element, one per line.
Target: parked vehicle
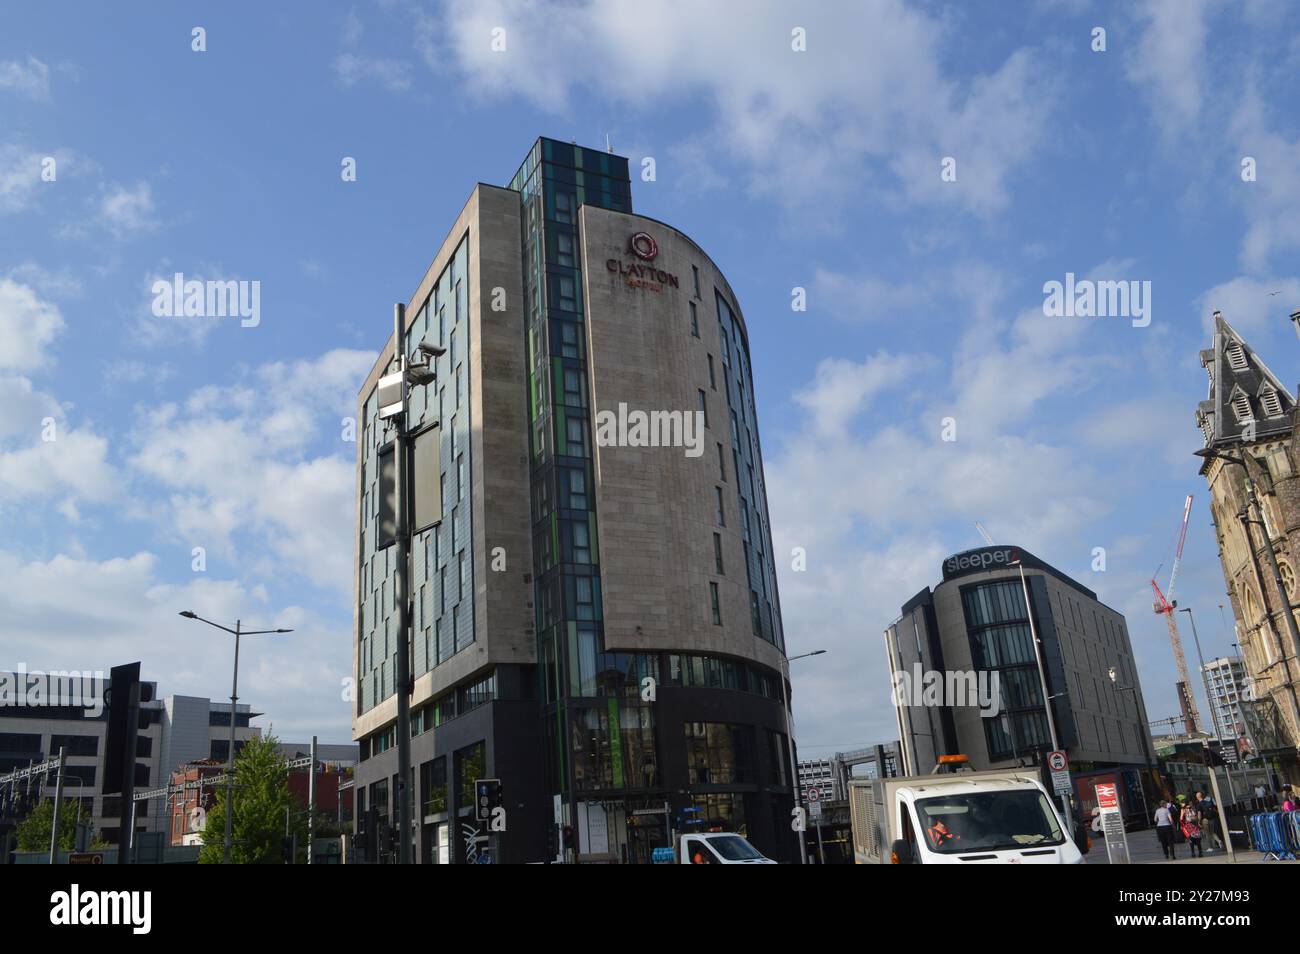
<point x="959" y="817"/>
<point x="711" y="848"/>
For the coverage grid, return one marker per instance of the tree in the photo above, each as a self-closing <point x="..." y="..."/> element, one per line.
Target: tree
<point x="33" y="833"/>
<point x="261" y="799"/>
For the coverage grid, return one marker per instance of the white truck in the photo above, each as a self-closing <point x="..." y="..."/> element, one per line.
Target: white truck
<point x="1001" y="816"/>
<point x="710" y="848"/>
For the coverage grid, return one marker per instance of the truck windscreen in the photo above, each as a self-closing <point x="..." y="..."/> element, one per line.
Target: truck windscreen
<point x="988" y="821"/>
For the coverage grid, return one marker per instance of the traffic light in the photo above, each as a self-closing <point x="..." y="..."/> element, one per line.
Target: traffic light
<point x="119" y="742"/>
<point x="568" y="838"/>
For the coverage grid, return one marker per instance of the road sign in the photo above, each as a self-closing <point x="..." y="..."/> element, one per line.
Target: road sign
<point x="487" y="796"/>
<point x="814" y="794"/>
<point x="814" y="808"/>
<point x="1112" y="823"/>
<point x="1060" y="766"/>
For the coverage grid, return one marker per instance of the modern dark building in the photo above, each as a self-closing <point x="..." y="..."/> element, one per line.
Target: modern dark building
<point x="595" y="620"/>
<point x="976" y="622"/>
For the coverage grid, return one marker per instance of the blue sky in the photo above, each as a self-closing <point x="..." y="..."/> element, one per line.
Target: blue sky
<point x="817" y="169"/>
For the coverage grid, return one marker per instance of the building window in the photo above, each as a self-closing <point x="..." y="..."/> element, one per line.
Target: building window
<point x="564" y="202"/>
<point x="704" y="407"/>
<point x="577" y="489"/>
<point x="1241" y="407"/>
<point x="713" y="381"/>
<point x="717" y="553"/>
<point x="576" y="432"/>
<point x="722" y="511"/>
<point x="569" y="346"/>
<point x="1236" y="356"/>
<point x="564" y="248"/>
<point x="573" y="387"/>
<point x="719" y="753"/>
<point x="568" y="294"/>
<point x="695" y="321"/>
<point x="714" y="606"/>
<point x="1270" y="402"/>
<point x="722" y="464"/>
<point x="695" y="279"/>
<point x="581" y="542"/>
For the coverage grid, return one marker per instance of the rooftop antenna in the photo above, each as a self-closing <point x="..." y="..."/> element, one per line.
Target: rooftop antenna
<point x="609" y="146"/>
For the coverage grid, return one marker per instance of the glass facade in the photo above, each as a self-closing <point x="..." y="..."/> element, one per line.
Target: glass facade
<point x="747" y="465"/>
<point x="1002" y="642"/>
<point x="442" y="558"/>
<point x="554" y="182"/>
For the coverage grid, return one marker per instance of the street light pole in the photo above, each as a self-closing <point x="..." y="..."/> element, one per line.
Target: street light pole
<point x="230" y="753"/>
<point x="789" y="737"/>
<point x="400" y="582"/>
<point x="1042" y="681"/>
<point x="1214" y="709"/>
<point x="237" y="632"/>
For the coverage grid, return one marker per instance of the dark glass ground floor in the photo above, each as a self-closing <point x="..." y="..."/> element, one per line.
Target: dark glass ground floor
<point x="691" y="759"/>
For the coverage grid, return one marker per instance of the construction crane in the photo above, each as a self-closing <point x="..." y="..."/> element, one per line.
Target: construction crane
<point x="1165" y="603"/>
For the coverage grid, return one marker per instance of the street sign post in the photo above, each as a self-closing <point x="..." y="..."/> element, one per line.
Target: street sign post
<point x="1059" y="764"/>
<point x="1112" y="824"/>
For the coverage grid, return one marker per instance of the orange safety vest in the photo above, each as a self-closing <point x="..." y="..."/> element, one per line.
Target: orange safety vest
<point x="940" y="835"/>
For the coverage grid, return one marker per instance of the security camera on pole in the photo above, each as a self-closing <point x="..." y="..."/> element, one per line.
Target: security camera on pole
<point x="393" y="390"/>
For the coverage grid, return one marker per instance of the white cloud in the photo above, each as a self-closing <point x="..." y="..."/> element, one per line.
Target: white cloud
<point x="1272" y="201"/>
<point x="869" y="89"/>
<point x="127" y="210"/>
<point x="841" y="389"/>
<point x="27" y="326"/>
<point x="861" y="297"/>
<point x="1250" y="305"/>
<point x="31" y="79"/>
<point x="62" y="283"/>
<point x="353" y="68"/>
<point x="1169" y="62"/>
<point x="125" y="609"/>
<point x="241" y="474"/>
<point x="72" y="467"/>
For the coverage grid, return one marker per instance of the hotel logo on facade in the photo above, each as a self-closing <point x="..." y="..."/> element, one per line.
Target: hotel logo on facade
<point x="637" y="275"/>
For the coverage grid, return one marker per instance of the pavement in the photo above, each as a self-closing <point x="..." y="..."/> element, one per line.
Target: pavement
<point x="1144" y="849"/>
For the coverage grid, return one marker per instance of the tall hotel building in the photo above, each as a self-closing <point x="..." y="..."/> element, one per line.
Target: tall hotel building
<point x="594" y="624"/>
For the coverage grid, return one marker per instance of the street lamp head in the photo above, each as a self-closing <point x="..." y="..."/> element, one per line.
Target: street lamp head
<point x="817" y="652"/>
<point x="188" y="615"/>
<point x="284" y="631"/>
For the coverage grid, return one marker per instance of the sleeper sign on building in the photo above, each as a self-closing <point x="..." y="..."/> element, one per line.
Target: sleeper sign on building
<point x="642" y="274"/>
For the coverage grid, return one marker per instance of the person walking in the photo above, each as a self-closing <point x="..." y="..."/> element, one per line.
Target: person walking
<point x="1209" y="812"/>
<point x="1190" y="820"/>
<point x="1164" y="820"/>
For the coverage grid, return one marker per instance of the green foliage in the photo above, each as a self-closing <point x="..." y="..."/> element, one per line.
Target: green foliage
<point x="34" y="832"/>
<point x="261" y="798"/>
